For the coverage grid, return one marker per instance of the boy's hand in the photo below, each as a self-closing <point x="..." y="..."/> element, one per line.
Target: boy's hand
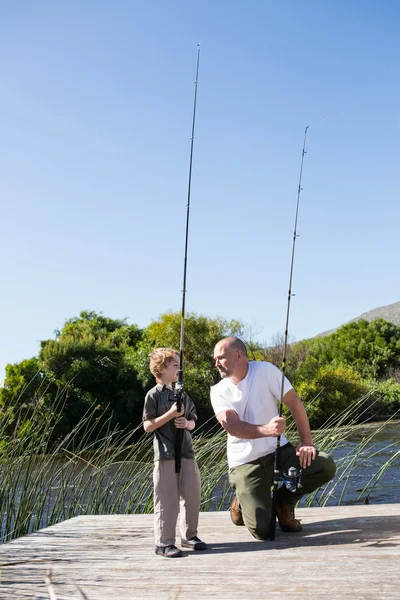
<point x="181" y="423"/>
<point x="173" y="411"/>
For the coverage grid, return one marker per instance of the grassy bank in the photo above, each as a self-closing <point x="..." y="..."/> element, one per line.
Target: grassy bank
<point x="95" y="469"/>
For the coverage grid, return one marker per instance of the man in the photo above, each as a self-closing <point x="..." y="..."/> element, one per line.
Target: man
<point x="245" y="403"/>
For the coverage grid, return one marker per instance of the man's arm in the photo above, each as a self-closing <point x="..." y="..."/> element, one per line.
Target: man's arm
<point x="231" y="422"/>
<point x="306" y="450"/>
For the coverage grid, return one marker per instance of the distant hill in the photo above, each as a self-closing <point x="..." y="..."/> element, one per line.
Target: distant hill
<point x="390" y="313"/>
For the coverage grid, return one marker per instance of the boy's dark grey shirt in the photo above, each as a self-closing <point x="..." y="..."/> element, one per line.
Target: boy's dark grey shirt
<point x="158" y="401"/>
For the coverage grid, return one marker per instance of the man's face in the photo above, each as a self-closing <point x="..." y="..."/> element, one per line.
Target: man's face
<point x="171" y="372"/>
<point x="226" y="359"/>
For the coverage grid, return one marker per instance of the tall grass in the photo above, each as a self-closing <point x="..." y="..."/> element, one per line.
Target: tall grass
<point x="96" y="469"/>
<point x="332" y="436"/>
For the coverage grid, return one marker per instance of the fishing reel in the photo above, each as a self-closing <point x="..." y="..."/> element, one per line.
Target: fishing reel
<point x="178" y="394"/>
<point x="291" y="479"/>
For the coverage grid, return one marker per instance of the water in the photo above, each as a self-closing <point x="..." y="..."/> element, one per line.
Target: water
<point x="384" y="447"/>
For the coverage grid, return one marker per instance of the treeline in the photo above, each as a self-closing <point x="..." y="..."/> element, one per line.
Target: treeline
<point x="331" y="372"/>
<point x="100" y="364"/>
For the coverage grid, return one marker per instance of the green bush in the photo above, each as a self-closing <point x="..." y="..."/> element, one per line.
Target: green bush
<point x="330" y="392"/>
<point x="371" y="349"/>
<point x="385" y="398"/>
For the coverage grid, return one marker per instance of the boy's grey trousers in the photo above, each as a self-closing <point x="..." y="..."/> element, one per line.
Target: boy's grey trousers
<point x="174" y="491"/>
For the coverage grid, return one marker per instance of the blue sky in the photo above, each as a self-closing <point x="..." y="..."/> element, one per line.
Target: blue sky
<point x="95" y="118"/>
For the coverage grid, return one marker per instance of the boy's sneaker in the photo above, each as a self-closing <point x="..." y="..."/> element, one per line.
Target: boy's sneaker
<point x="194" y="543"/>
<point x="170" y="551"/>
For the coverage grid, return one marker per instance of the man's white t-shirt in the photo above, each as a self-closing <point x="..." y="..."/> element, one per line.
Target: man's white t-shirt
<point x="254" y="399"/>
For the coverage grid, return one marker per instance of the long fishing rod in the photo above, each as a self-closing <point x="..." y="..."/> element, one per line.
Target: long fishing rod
<point x="278" y="440"/>
<point x="179" y="383"/>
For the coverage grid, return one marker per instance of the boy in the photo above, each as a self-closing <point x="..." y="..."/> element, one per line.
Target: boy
<point x="160" y="415"/>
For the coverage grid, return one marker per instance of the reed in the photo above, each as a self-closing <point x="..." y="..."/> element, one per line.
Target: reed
<point x="96" y="469"/>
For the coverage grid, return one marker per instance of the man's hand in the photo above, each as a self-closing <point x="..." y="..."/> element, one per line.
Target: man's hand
<point x="306" y="454"/>
<point x="181" y="423"/>
<point x="275" y="427"/>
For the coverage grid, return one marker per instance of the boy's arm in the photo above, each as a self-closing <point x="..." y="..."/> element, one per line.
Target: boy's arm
<point x="182" y="423"/>
<point x="153" y="424"/>
<point x="191" y="424"/>
<point x="191" y="414"/>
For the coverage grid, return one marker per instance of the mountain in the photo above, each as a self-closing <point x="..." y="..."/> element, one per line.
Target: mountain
<point x="390" y="313"/>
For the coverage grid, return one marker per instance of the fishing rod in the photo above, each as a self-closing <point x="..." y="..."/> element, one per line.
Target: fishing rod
<point x="290" y="476"/>
<point x="178" y="391"/>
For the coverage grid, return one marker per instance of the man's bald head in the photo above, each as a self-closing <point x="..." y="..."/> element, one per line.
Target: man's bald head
<point x="233" y="343"/>
<point x="230" y="357"/>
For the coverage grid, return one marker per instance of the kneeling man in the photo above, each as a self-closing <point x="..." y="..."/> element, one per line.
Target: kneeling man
<point x="245" y="403"/>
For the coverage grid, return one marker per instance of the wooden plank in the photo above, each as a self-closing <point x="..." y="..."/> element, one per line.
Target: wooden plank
<point x="342" y="553"/>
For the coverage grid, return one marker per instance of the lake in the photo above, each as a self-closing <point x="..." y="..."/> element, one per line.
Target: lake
<point x="384" y="447"/>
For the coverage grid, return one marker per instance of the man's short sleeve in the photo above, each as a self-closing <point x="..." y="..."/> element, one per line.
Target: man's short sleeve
<point x="274" y="379"/>
<point x="219" y="402"/>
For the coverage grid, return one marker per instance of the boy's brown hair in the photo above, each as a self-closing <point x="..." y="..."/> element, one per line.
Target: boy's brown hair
<point x="160" y="359"/>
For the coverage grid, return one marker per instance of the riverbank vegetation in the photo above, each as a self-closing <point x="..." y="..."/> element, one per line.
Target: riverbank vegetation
<point x="97" y="468"/>
<point x="98" y="363"/>
<point x="71" y="440"/>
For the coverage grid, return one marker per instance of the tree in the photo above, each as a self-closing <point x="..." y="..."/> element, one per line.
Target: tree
<point x="385" y="398"/>
<point x="25" y="396"/>
<point x="102" y="364"/>
<point x="371" y="349"/>
<point x="22" y="384"/>
<point x="201" y="335"/>
<point x="91" y="360"/>
<point x="331" y="391"/>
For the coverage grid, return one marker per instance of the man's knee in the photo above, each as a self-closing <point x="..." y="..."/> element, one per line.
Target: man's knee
<point x="260" y="532"/>
<point x="259" y="524"/>
<point x="328" y="467"/>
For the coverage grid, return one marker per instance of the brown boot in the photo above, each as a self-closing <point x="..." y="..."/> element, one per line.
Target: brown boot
<point x="286" y="518"/>
<point x="236" y="513"/>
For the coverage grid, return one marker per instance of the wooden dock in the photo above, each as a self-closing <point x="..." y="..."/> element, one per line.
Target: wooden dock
<point x="350" y="552"/>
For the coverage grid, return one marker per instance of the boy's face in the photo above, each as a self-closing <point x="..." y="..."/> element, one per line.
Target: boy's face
<point x="170" y="374"/>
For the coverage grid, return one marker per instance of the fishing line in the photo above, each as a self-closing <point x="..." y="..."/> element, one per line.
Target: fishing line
<point x="278" y="440"/>
<point x="178" y="390"/>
